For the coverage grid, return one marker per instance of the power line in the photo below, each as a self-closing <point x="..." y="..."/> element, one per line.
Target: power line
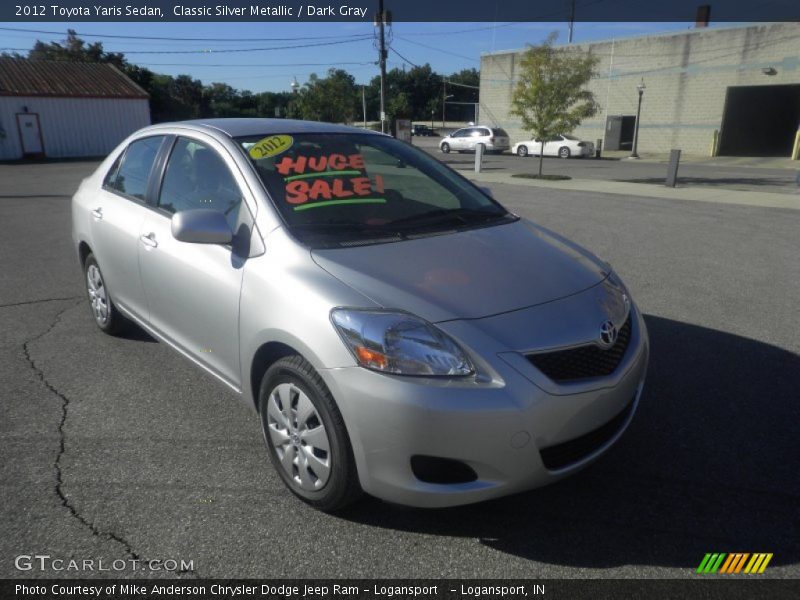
<point x="225" y="50"/>
<point x="328" y="64"/>
<point x="182" y="39"/>
<point x="439" y="49"/>
<point x="405" y="59"/>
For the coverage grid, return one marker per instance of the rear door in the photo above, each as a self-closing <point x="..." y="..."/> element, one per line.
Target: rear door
<point x="193" y="289"/>
<point x="117" y="215"/>
<point x="501" y="139"/>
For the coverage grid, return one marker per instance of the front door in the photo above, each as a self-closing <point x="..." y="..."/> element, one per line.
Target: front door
<point x="30" y="134"/>
<point x="193" y="289"/>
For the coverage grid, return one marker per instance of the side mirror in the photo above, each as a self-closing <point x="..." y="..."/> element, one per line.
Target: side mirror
<point x="486" y="191"/>
<point x="201" y="226"/>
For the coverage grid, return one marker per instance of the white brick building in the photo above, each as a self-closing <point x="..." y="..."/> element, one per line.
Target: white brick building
<point x="742" y="82"/>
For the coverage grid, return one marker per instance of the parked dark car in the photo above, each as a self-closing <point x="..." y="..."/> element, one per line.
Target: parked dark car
<point x="423" y="130"/>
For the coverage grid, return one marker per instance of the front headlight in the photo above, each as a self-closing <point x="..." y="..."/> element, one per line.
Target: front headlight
<point x="399" y="343"/>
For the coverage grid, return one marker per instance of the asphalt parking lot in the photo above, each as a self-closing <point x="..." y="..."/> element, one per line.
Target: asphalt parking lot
<point x="117" y="448"/>
<point x="691" y="173"/>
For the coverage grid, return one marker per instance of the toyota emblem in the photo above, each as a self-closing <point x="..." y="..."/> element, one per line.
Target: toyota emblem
<point x="608" y="334"/>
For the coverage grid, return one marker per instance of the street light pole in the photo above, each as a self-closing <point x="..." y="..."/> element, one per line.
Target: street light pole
<point x="640" y="88"/>
<point x="444" y="102"/>
<point x="444" y="98"/>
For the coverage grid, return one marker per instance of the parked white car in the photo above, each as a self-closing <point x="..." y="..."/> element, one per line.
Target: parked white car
<point x="494" y="139"/>
<point x="562" y="146"/>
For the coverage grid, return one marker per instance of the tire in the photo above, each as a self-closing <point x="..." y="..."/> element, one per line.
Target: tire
<point x="306" y="437"/>
<point x="106" y="316"/>
<point x="563" y="152"/>
<point x="522" y="151"/>
<point x="446" y="148"/>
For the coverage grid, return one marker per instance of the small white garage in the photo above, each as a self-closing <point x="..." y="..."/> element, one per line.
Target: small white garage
<point x="58" y="109"/>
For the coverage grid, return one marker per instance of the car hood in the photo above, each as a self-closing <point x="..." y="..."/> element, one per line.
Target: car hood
<point x="468" y="274"/>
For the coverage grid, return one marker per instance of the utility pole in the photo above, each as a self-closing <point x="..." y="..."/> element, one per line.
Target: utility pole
<point x="571" y="19"/>
<point x="382" y="59"/>
<point x="364" y="104"/>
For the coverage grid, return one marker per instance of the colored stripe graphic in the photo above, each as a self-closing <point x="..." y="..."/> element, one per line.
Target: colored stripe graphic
<point x="711" y="562"/>
<point x="758" y="563"/>
<point x="723" y="563"/>
<point x="734" y="562"/>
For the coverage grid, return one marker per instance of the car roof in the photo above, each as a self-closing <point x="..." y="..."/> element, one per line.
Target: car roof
<point x="237" y="127"/>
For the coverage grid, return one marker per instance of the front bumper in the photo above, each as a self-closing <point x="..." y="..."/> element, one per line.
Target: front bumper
<point x="497" y="425"/>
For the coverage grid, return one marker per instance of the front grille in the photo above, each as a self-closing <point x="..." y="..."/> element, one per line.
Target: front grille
<point x="583" y="362"/>
<point x="566" y="453"/>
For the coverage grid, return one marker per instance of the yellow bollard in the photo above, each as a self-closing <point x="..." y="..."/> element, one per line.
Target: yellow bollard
<point x="796" y="148"/>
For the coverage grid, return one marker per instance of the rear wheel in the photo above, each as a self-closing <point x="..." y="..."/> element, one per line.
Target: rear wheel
<point x="446" y="148"/>
<point x="105" y="314"/>
<point x="306" y="437"/>
<point x="522" y="151"/>
<point x="563" y="152"/>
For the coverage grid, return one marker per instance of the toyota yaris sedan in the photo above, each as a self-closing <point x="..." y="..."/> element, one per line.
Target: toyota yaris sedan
<point x="397" y="330"/>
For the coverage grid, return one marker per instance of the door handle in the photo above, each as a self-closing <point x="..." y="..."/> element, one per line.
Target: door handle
<point x="149" y="240"/>
<point x="97" y="213"/>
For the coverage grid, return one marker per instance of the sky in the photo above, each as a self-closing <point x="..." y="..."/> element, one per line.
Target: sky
<point x="234" y="53"/>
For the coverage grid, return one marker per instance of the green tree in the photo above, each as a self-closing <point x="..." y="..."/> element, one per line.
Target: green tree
<point x="551" y="96"/>
<point x="74" y="49"/>
<point x="331" y="99"/>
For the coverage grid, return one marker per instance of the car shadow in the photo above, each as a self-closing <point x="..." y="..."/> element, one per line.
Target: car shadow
<point x="709" y="464"/>
<point x="134" y="333"/>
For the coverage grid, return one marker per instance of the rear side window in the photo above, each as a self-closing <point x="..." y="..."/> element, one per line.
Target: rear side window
<point x="498" y="131"/>
<point x="134" y="172"/>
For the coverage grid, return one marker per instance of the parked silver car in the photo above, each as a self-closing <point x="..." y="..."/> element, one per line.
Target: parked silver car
<point x="397" y="330"/>
<point x="494" y="139"/>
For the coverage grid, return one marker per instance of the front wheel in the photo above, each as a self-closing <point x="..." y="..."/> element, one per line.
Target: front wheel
<point x="446" y="148"/>
<point x="563" y="152"/>
<point x="522" y="151"/>
<point x="306" y="437"/>
<point x="105" y="314"/>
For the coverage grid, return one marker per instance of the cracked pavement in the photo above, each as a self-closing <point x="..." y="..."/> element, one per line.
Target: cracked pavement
<point x="117" y="448"/>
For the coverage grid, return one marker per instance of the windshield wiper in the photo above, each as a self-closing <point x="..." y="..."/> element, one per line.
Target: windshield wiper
<point x="465" y="216"/>
<point x="347" y="227"/>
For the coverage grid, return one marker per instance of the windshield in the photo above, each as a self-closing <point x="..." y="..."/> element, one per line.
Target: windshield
<point x="347" y="189"/>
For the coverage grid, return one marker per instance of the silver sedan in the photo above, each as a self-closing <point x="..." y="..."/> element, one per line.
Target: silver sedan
<point x="397" y="331"/>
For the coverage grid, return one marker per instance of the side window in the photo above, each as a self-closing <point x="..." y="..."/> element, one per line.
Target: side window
<point x="137" y="162"/>
<point x="460" y="133"/>
<point x="197" y="177"/>
<point x="112" y="172"/>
